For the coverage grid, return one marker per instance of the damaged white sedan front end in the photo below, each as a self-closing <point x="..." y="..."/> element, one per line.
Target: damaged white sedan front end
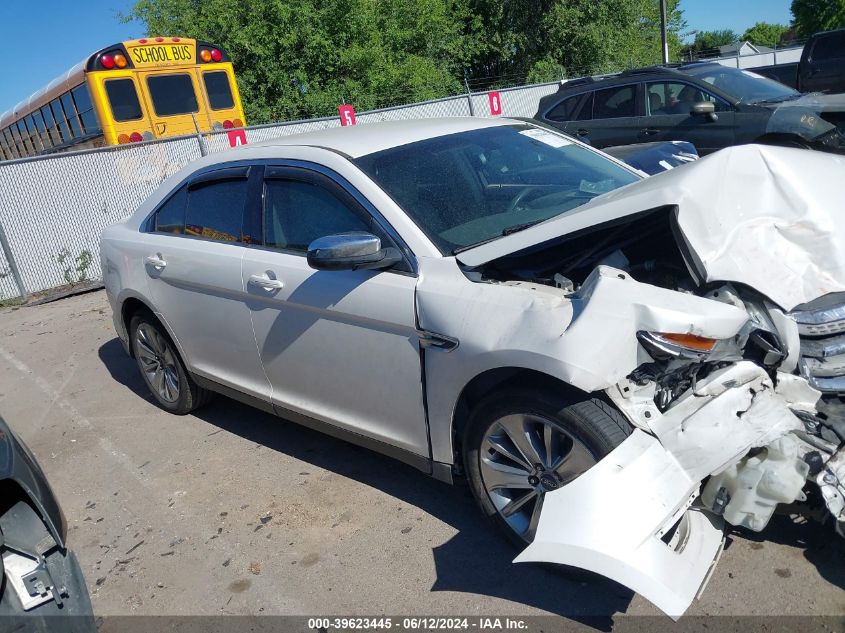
<point x="684" y="324"/>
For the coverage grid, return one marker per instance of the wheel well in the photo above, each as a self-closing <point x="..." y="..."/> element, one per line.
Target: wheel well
<point x="502" y="378"/>
<point x="129" y="309"/>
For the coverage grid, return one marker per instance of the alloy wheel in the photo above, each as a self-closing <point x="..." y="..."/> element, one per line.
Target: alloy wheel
<point x="522" y="457"/>
<point x="158" y="362"/>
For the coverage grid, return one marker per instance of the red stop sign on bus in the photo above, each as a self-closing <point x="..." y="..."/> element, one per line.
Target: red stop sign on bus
<point x="347" y="114"/>
<point x="495" y="102"/>
<point x="237" y="137"/>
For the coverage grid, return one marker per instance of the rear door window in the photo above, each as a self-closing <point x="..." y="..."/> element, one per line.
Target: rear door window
<point x="170" y="217"/>
<point x="216" y="207"/>
<point x="172" y="94"/>
<point x="616" y="102"/>
<point x="123" y="99"/>
<point x="218" y="89"/>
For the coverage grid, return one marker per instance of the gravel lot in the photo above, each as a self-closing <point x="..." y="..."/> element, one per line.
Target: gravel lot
<point x="236" y="511"/>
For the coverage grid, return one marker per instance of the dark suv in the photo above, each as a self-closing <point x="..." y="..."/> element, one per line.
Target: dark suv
<point x="707" y="104"/>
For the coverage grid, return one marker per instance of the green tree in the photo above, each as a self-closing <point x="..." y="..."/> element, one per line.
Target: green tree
<point x="812" y="16"/>
<point x="765" y="34"/>
<point x="707" y="43"/>
<point x="301" y="58"/>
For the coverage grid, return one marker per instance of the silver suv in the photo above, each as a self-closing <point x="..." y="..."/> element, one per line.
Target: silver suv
<point x="608" y="360"/>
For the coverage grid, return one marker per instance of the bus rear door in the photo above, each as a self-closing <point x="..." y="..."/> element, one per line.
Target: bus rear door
<point x="174" y="98"/>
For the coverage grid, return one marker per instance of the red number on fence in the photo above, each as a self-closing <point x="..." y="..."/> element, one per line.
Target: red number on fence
<point x="347" y="115"/>
<point x="495" y="103"/>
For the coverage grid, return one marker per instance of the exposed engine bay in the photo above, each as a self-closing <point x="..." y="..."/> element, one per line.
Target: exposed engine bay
<point x="740" y="428"/>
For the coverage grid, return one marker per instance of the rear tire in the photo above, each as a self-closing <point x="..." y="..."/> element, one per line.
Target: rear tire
<point x="521" y="443"/>
<point x="161" y="367"/>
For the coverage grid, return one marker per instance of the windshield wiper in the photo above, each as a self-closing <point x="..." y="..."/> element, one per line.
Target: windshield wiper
<point x="516" y="228"/>
<point x="779" y="99"/>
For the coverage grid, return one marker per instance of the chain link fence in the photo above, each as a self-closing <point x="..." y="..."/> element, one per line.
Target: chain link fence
<point x="53" y="208"/>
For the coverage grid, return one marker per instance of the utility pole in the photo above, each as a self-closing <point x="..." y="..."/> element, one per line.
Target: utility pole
<point x="664" y="41"/>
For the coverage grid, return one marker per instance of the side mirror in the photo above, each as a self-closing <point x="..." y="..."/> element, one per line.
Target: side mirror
<point x="704" y="108"/>
<point x="350" y="251"/>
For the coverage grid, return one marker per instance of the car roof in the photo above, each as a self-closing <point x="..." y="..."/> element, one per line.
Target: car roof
<point x="359" y="140"/>
<point x="587" y="84"/>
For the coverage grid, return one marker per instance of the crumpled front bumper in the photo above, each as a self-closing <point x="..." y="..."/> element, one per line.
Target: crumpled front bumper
<point x="637" y="518"/>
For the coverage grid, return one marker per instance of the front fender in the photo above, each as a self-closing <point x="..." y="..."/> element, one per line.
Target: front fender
<point x="587" y="339"/>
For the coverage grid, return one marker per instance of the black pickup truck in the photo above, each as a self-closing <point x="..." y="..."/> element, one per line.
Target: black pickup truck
<point x="821" y="69"/>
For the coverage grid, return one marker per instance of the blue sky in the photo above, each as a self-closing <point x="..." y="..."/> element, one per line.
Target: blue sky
<point x="737" y="15"/>
<point x="66" y="32"/>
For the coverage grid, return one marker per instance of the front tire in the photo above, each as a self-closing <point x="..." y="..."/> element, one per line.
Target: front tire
<point x="162" y="368"/>
<point x="520" y="444"/>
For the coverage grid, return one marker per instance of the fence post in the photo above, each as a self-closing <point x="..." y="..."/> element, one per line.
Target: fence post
<point x="469" y="97"/>
<point x="13" y="266"/>
<point x="200" y="139"/>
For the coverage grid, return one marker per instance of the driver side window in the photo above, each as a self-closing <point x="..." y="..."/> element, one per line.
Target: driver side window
<point x="297" y="212"/>
<point x="674" y="97"/>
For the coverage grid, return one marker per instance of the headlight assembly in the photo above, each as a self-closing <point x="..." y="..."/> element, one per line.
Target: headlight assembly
<point x="664" y="345"/>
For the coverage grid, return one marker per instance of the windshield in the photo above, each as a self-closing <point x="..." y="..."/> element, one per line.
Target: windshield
<point x="743" y="85"/>
<point x="471" y="187"/>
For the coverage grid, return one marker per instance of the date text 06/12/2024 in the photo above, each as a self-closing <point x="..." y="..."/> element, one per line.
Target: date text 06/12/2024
<point x="417" y="623"/>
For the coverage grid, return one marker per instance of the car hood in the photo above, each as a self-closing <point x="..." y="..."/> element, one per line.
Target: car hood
<point x="766" y="217"/>
<point x="809" y="116"/>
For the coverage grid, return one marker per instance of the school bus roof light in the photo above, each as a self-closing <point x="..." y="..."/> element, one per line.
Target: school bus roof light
<point x="216" y="55"/>
<point x="107" y="61"/>
<point x="120" y="61"/>
<point x="205" y="55"/>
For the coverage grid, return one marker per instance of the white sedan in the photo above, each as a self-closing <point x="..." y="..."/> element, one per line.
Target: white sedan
<point x="617" y="365"/>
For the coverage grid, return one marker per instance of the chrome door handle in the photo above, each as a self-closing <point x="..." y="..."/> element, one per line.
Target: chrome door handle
<point x="262" y="281"/>
<point x="649" y="131"/>
<point x="155" y="262"/>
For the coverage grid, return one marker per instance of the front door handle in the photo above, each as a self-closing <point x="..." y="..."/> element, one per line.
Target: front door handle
<point x="582" y="132"/>
<point x="155" y="261"/>
<point x="263" y="281"/>
<point x="649" y="131"/>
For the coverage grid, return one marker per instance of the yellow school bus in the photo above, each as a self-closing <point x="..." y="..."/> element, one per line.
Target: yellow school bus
<point x="126" y="93"/>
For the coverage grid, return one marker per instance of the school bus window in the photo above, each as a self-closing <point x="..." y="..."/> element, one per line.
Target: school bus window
<point x="24" y="141"/>
<point x="172" y="94"/>
<point x="87" y="116"/>
<point x="33" y="134"/>
<point x="26" y="150"/>
<point x="219" y="92"/>
<point x="50" y="125"/>
<point x="59" y="117"/>
<point x="123" y="99"/>
<point x="70" y="111"/>
<point x="10" y="142"/>
<point x="42" y="132"/>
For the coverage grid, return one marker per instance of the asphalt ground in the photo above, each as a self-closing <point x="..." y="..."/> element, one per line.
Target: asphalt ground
<point x="234" y="511"/>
